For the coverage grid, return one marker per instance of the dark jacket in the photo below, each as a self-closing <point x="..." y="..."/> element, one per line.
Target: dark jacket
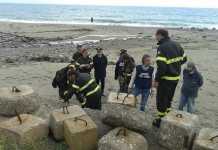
<point x="76" y="56"/>
<point x="60" y="81"/>
<point x="84" y="86"/>
<point x="170" y="58"/>
<point x="100" y="66"/>
<point x="84" y="61"/>
<point x="143" y="78"/>
<point x="124" y="68"/>
<point x="191" y="83"/>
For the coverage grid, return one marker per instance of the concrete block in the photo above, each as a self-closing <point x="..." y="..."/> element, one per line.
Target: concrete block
<point x="81" y="133"/>
<point x="121" y="115"/>
<point x="177" y="130"/>
<point x="31" y="129"/>
<point x="21" y="98"/>
<point x="207" y="140"/>
<point x="122" y="139"/>
<point x="57" y="119"/>
<point x="122" y="98"/>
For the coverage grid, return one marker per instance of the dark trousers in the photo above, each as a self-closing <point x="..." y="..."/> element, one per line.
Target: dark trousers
<point x="102" y="81"/>
<point x="124" y="84"/>
<point x="165" y="94"/>
<point x="93" y="101"/>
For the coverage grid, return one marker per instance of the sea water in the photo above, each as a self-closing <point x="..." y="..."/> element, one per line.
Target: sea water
<point x="110" y="15"/>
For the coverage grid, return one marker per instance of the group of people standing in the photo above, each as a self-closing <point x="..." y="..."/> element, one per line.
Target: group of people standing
<point x="137" y="79"/>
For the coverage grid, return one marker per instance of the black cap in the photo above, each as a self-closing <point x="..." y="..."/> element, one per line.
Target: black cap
<point x="99" y="49"/>
<point x="123" y="51"/>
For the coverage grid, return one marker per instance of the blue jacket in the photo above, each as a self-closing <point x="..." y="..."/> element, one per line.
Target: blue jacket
<point x="191" y="83"/>
<point x="143" y="78"/>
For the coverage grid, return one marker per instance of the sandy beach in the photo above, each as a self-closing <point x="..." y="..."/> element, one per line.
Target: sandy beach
<point x="32" y="53"/>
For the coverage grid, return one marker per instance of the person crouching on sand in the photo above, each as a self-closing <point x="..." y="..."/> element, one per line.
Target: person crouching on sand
<point x="192" y="81"/>
<point x="141" y="81"/>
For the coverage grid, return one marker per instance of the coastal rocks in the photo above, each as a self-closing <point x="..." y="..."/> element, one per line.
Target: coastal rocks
<point x="20" y="99"/>
<point x="177" y="130"/>
<point x="48" y="58"/>
<point x="25" y="129"/>
<point x="122" y="139"/>
<point x="58" y="117"/>
<point x="80" y="133"/>
<point x="207" y="140"/>
<point x="117" y="115"/>
<point x="96" y="116"/>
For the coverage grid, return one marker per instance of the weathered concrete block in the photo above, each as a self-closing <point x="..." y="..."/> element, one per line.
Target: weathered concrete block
<point x="207" y="140"/>
<point x="96" y="116"/>
<point x="177" y="130"/>
<point x="22" y="98"/>
<point x="122" y="98"/>
<point x="122" y="139"/>
<point x="31" y="129"/>
<point x="117" y="115"/>
<point x="57" y="119"/>
<point x="81" y="133"/>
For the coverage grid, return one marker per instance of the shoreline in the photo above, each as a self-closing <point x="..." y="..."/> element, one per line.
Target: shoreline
<point x="66" y="23"/>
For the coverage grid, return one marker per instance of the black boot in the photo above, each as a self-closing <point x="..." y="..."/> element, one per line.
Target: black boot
<point x="157" y="122"/>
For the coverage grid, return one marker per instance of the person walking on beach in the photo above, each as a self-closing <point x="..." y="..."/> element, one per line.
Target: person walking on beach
<point x="192" y="81"/>
<point x="123" y="70"/>
<point x="84" y="64"/>
<point x="170" y="58"/>
<point x="141" y="82"/>
<point x="100" y="62"/>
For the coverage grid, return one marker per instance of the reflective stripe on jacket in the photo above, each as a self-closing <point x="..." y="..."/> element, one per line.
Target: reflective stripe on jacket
<point x="170" y="58"/>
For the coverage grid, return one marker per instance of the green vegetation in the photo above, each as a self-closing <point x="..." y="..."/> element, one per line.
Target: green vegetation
<point x="44" y="144"/>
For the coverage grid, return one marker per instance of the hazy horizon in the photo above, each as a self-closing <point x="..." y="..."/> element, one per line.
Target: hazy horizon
<point x="139" y="3"/>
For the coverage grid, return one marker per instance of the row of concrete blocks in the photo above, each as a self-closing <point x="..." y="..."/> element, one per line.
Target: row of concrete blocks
<point x="178" y="131"/>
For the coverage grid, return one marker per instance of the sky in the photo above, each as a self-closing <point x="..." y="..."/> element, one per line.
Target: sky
<point x="163" y="3"/>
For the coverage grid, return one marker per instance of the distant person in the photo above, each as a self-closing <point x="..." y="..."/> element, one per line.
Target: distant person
<point x="84" y="64"/>
<point x="141" y="82"/>
<point x="92" y="19"/>
<point x="123" y="70"/>
<point x="100" y="63"/>
<point x="170" y="58"/>
<point x="77" y="54"/>
<point x="192" y="81"/>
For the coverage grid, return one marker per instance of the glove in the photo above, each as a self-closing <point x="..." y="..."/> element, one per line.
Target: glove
<point x="67" y="96"/>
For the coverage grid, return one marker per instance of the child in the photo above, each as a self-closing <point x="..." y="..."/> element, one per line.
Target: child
<point x="192" y="81"/>
<point x="141" y="81"/>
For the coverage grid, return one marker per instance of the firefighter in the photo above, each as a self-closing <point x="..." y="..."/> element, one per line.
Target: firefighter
<point x="84" y="64"/>
<point x="123" y="71"/>
<point x="60" y="80"/>
<point x="170" y="58"/>
<point x="88" y="92"/>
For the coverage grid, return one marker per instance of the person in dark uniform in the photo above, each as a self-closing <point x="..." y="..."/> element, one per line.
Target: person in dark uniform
<point x="77" y="54"/>
<point x="88" y="92"/>
<point x="141" y="82"/>
<point x="84" y="63"/>
<point x="123" y="70"/>
<point x="170" y="58"/>
<point x="60" y="80"/>
<point x="100" y="63"/>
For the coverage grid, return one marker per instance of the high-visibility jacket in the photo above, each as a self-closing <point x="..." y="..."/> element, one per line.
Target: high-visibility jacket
<point x="84" y="86"/>
<point x="170" y="58"/>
